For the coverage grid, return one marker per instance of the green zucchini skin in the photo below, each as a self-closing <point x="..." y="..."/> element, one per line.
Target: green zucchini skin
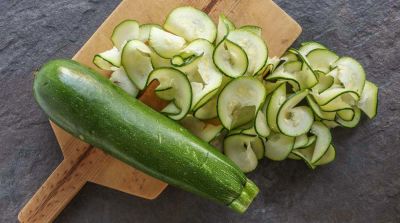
<point x="89" y="106"/>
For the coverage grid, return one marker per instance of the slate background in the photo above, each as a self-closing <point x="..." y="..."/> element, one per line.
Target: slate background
<point x="362" y="185"/>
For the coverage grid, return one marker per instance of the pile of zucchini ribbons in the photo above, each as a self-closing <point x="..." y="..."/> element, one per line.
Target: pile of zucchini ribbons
<point x="221" y="85"/>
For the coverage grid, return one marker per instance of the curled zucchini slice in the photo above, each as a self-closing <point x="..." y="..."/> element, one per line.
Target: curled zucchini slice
<point x="164" y="43"/>
<point x="123" y="32"/>
<point x="230" y="59"/>
<point x="108" y="60"/>
<point x="175" y="87"/>
<point x="253" y="46"/>
<point x="136" y="60"/>
<point x="295" y="121"/>
<point x="243" y="150"/>
<point x="239" y="102"/>
<point x="191" y="24"/>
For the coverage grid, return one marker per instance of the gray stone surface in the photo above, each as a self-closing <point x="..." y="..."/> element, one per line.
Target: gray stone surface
<point x="362" y="185"/>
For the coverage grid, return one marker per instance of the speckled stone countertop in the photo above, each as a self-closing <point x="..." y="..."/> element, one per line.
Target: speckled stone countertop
<point x="362" y="185"/>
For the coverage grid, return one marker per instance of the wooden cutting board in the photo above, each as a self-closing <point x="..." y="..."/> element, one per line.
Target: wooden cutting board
<point x="82" y="162"/>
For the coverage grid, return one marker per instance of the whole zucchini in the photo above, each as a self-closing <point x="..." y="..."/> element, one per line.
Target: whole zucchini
<point x="89" y="106"/>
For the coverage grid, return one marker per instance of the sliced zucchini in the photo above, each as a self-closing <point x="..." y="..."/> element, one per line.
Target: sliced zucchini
<point x="330" y="124"/>
<point x="120" y="78"/>
<point x="239" y="101"/>
<point x="352" y="122"/>
<point x="279" y="146"/>
<point x="254" y="29"/>
<point x="369" y="100"/>
<point x="307" y="47"/>
<point x="144" y="31"/>
<point x="108" y="60"/>
<point x="351" y="74"/>
<point x="295" y="121"/>
<point x="218" y="141"/>
<point x="171" y="108"/>
<point x="289" y="56"/>
<point x="253" y="46"/>
<point x="211" y="80"/>
<point x="328" y="157"/>
<point x="278" y="97"/>
<point x="191" y="24"/>
<point x="317" y="110"/>
<point x="322" y="59"/>
<point x="249" y="131"/>
<point x="239" y="149"/>
<point x="157" y="61"/>
<point x="270" y="87"/>
<point x="287" y="72"/>
<point x="224" y="27"/>
<point x="332" y="93"/>
<point x="125" y="31"/>
<point x="230" y="59"/>
<point x="261" y="125"/>
<point x="208" y="110"/>
<point x="324" y="139"/>
<point x="300" y="141"/>
<point x="164" y="43"/>
<point x="310" y="141"/>
<point x="136" y="60"/>
<point x="306" y="155"/>
<point x="324" y="83"/>
<point x="336" y="104"/>
<point x="178" y="89"/>
<point x="204" y="131"/>
<point x="269" y="67"/>
<point x="307" y="74"/>
<point x="293" y="156"/>
<point x="183" y="59"/>
<point x="346" y="115"/>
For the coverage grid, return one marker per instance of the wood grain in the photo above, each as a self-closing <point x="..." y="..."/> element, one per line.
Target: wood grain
<point x="82" y="162"/>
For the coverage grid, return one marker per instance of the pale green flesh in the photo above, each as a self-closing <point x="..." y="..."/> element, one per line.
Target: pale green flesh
<point x="322" y="59"/>
<point x="253" y="46"/>
<point x="254" y="29"/>
<point x="310" y="141"/>
<point x="328" y="157"/>
<point x="310" y="46"/>
<point x="191" y="24"/>
<point x="239" y="149"/>
<point x="108" y="60"/>
<point x="350" y="123"/>
<point x="144" y="31"/>
<point x="346" y="115"/>
<point x="203" y="130"/>
<point x="324" y="139"/>
<point x="306" y="155"/>
<point x="136" y="60"/>
<point x="300" y="141"/>
<point x="224" y="27"/>
<point x="261" y="125"/>
<point x="279" y="146"/>
<point x="230" y="58"/>
<point x="324" y="82"/>
<point x="164" y="43"/>
<point x="351" y="74"/>
<point x="208" y="110"/>
<point x="120" y="78"/>
<point x="369" y="100"/>
<point x="240" y="99"/>
<point x="317" y="110"/>
<point x="124" y="32"/>
<point x="295" y="121"/>
<point x="277" y="99"/>
<point x="331" y="94"/>
<point x="178" y="85"/>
